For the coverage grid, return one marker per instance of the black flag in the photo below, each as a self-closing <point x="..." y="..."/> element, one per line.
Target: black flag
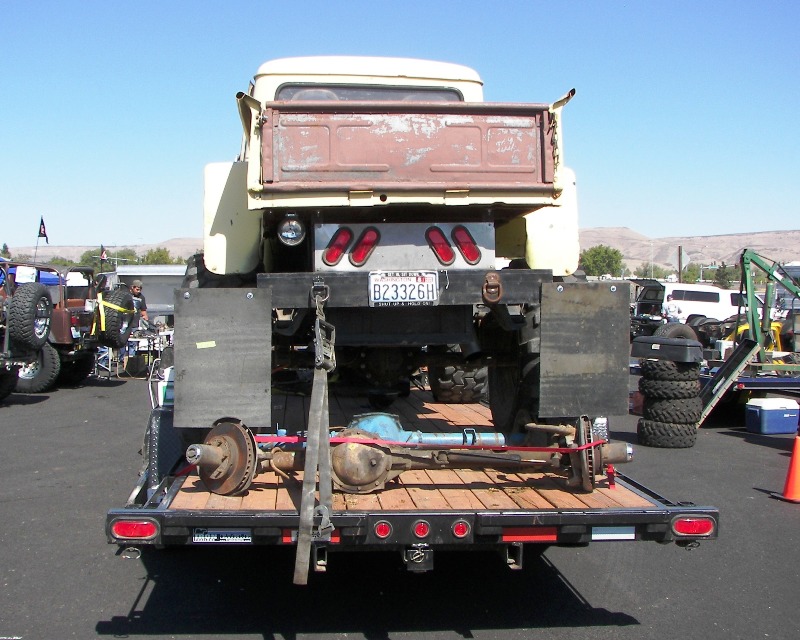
<point x="42" y="230"/>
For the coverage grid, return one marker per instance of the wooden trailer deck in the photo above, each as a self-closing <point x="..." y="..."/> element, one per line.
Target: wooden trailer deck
<point x="439" y="490"/>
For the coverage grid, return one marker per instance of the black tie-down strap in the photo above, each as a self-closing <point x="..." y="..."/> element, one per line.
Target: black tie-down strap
<point x="318" y="453"/>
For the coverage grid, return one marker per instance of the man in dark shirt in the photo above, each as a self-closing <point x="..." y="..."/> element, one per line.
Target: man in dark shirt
<point x="139" y="302"/>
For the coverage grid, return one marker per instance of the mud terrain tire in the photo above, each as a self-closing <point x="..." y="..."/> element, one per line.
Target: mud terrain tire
<point x="666" y="435"/>
<point x="670" y="371"/>
<point x="458" y="384"/>
<point x="680" y="411"/>
<point x="667" y="390"/>
<point x="41" y="375"/>
<point x="29" y="315"/>
<point x="118" y="324"/>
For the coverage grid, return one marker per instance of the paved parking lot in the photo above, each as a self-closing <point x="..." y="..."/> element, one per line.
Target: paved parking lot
<point x="71" y="454"/>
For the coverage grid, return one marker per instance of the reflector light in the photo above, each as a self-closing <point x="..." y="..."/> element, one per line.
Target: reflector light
<point x="530" y="534"/>
<point x="364" y="246"/>
<point x="693" y="526"/>
<point x="466" y="245"/>
<point x="421" y="529"/>
<point x="139" y="529"/>
<point x="383" y="529"/>
<point x="437" y="241"/>
<point x="460" y="529"/>
<point x="337" y="246"/>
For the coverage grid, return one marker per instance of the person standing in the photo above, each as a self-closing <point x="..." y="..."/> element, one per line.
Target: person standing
<point x="139" y="302"/>
<point x="671" y="310"/>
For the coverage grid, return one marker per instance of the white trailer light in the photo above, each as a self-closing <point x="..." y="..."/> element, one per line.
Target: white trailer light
<point x="291" y="231"/>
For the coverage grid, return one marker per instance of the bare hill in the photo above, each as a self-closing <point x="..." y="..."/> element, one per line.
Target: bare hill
<point x="782" y="246"/>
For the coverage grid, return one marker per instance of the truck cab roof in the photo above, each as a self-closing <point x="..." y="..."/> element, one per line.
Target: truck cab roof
<point x="366" y="70"/>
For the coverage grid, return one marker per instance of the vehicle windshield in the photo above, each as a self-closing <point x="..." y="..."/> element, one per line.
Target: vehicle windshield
<point x="366" y="93"/>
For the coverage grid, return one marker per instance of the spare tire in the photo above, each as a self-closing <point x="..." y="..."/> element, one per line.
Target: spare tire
<point x="41" y="374"/>
<point x="675" y="330"/>
<point x="119" y="312"/>
<point x="29" y="315"/>
<point x="457" y="384"/>
<point x="669" y="370"/>
<point x="666" y="435"/>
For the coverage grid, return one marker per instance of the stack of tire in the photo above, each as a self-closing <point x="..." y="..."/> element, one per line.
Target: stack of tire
<point x="672" y="404"/>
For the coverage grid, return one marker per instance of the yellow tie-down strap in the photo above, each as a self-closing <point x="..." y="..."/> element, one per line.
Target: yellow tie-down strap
<point x="102" y="304"/>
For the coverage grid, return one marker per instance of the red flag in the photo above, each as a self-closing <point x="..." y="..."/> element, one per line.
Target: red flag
<point x="42" y="230"/>
<point x="103" y="254"/>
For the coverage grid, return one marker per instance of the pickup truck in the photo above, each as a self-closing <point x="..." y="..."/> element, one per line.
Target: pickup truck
<point x="384" y="226"/>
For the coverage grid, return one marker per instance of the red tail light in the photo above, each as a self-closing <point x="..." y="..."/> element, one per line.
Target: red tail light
<point x="134" y="529"/>
<point x="365" y="244"/>
<point x="697" y="526"/>
<point x="441" y="247"/>
<point x="466" y="245"/>
<point x="382" y="529"/>
<point x="337" y="246"/>
<point x="422" y="529"/>
<point x="461" y="528"/>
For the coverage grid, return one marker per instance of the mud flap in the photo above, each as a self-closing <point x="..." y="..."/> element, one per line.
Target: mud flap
<point x="585" y="349"/>
<point x="223" y="346"/>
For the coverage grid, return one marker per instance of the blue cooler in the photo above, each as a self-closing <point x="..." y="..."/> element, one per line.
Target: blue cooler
<point x="772" y="415"/>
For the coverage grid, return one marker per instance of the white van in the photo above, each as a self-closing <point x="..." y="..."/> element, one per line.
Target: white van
<point x="692" y="299"/>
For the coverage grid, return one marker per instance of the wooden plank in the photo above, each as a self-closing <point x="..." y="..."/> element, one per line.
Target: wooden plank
<point x="224" y="503"/>
<point x="522" y="488"/>
<point x="395" y="498"/>
<point x="486" y="491"/>
<point x="193" y="495"/>
<point x="262" y="493"/>
<point x="624" y="497"/>
<point x="557" y="495"/>
<point x="453" y="490"/>
<point x="288" y="494"/>
<point x="423" y="490"/>
<point x="356" y="502"/>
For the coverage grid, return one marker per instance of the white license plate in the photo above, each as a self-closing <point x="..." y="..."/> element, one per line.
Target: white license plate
<point x="403" y="288"/>
<point x="222" y="536"/>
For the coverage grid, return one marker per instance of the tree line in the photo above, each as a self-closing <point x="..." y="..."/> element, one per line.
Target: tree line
<point x="603" y="260"/>
<point x="113" y="257"/>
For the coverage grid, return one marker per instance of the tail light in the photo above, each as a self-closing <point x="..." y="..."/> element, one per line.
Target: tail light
<point x="461" y="528"/>
<point x="382" y="529"/>
<point x="134" y="529"/>
<point x="437" y="241"/>
<point x="466" y="245"/>
<point x="421" y="529"/>
<point x="337" y="246"/>
<point x="693" y="526"/>
<point x="364" y="246"/>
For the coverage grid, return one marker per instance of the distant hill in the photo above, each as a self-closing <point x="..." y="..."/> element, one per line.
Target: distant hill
<point x="782" y="246"/>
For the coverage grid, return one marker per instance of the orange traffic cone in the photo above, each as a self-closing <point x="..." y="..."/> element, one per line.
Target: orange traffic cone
<point x="791" y="492"/>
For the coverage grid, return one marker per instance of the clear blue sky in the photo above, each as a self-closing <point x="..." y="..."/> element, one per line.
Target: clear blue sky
<point x="685" y="120"/>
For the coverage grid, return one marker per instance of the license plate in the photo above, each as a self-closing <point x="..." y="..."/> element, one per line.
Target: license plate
<point x="403" y="288"/>
<point x="222" y="536"/>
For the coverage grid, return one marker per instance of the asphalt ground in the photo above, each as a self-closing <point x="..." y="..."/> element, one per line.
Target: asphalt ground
<point x="70" y="455"/>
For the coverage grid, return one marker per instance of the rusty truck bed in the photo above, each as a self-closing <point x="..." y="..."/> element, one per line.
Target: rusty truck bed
<point x="439" y="490"/>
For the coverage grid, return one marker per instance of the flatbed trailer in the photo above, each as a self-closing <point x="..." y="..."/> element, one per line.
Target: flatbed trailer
<point x="454" y="509"/>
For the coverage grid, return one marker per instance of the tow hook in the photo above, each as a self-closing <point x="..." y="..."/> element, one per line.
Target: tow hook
<point x="418" y="558"/>
<point x="130" y="553"/>
<point x="492" y="288"/>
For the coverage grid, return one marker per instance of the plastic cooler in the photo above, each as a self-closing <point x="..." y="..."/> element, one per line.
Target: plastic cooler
<point x="772" y="415"/>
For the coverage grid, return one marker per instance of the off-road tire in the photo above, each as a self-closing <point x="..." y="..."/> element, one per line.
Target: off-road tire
<point x="666" y="435"/>
<point x="458" y="384"/>
<point x="41" y="375"/>
<point x="668" y="390"/>
<point x="118" y="324"/>
<point x="73" y="372"/>
<point x="8" y="382"/>
<point x="680" y="411"/>
<point x="29" y="315"/>
<point x="671" y="371"/>
<point x="675" y="330"/>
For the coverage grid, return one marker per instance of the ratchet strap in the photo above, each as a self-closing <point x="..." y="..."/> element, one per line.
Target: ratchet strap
<point x="318" y="454"/>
